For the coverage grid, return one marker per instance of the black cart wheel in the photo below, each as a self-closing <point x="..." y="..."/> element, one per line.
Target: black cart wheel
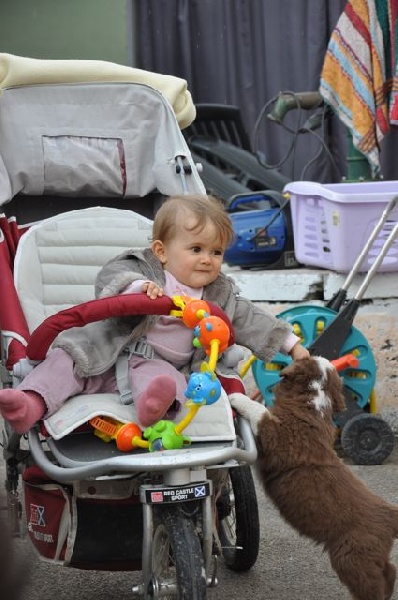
<point x="367" y="439"/>
<point x="238" y="526"/>
<point x="177" y="560"/>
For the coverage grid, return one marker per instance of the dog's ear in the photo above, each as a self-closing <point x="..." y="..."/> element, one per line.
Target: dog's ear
<point x="336" y="391"/>
<point x="288" y="371"/>
<point x="300" y="371"/>
<point x="337" y="395"/>
<point x="339" y="404"/>
<point x="296" y="367"/>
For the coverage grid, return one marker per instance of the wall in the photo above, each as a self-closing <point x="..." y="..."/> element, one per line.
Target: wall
<point x="75" y="29"/>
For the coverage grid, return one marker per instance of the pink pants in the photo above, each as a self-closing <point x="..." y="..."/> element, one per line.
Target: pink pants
<point x="56" y="380"/>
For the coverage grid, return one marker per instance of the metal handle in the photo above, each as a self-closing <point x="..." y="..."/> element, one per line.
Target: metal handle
<point x="386" y="212"/>
<point x="373" y="270"/>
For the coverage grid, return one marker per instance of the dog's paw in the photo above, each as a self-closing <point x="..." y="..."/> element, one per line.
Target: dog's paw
<point x="249" y="409"/>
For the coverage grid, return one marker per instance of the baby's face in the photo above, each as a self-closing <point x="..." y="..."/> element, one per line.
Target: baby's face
<point x="193" y="257"/>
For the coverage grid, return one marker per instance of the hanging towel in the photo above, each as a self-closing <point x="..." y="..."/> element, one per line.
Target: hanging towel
<point x="359" y="79"/>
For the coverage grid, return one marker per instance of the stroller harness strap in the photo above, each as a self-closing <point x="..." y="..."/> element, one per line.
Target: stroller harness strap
<point x="139" y="348"/>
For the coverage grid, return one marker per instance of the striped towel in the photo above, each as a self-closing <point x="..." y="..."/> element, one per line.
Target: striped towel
<point x="359" y="79"/>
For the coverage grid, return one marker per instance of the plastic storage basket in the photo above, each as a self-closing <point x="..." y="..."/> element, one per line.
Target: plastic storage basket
<point x="332" y="223"/>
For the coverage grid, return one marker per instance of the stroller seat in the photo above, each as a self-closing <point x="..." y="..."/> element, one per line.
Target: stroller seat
<point x="55" y="267"/>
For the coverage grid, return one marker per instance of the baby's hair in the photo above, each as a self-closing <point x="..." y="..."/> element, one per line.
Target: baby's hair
<point x="204" y="208"/>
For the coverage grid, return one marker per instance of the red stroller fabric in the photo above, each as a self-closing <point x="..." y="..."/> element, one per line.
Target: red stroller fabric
<point x="12" y="319"/>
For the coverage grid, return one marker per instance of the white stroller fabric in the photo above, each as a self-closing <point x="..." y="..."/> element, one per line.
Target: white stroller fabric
<point x="22" y="71"/>
<point x="56" y="264"/>
<point x="57" y="260"/>
<point x="95" y="139"/>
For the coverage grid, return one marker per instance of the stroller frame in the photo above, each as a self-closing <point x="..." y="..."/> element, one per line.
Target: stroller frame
<point x="191" y="525"/>
<point x="177" y="490"/>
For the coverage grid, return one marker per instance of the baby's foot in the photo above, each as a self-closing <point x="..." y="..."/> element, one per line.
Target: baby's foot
<point x="153" y="404"/>
<point x="21" y="409"/>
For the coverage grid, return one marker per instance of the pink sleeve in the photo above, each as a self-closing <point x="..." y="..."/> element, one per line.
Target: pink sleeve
<point x="134" y="287"/>
<point x="289" y="342"/>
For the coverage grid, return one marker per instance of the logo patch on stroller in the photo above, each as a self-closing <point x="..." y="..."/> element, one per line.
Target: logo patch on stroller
<point x="37" y="515"/>
<point x="175" y="494"/>
<point x="47" y="510"/>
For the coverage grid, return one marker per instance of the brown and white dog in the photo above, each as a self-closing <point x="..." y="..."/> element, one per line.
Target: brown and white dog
<point x="311" y="486"/>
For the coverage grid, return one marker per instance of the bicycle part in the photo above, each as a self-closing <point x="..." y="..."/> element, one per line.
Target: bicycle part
<point x="367" y="439"/>
<point x="238" y="526"/>
<point x="14" y="456"/>
<point x="177" y="561"/>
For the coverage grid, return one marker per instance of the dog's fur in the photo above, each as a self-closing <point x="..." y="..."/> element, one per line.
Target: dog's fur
<point x="312" y="487"/>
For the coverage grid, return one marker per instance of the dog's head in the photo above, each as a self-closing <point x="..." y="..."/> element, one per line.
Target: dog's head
<point x="315" y="381"/>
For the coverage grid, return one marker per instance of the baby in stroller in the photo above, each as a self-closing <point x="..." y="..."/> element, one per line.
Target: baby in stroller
<point x="190" y="236"/>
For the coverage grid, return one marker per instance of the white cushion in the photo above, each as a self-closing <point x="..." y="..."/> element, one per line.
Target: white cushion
<point x="58" y="259"/>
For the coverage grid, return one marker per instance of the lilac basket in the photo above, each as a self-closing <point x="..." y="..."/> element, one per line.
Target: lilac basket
<point x="333" y="222"/>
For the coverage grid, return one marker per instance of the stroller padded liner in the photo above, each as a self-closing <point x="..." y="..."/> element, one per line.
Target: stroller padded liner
<point x="58" y="259"/>
<point x="55" y="267"/>
<point x="211" y="423"/>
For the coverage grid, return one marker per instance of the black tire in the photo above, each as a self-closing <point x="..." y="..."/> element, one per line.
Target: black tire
<point x="238" y="524"/>
<point x="177" y="559"/>
<point x="367" y="439"/>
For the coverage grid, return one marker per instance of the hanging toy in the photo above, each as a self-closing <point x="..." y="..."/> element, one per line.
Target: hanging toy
<point x="127" y="435"/>
<point x="165" y="435"/>
<point x="191" y="310"/>
<point x="211" y="333"/>
<point x="203" y="388"/>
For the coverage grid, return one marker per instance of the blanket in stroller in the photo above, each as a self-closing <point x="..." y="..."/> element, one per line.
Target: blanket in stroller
<point x="21" y="71"/>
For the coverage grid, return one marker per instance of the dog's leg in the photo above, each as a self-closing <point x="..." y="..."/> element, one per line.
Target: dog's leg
<point x="390" y="573"/>
<point x="249" y="409"/>
<point x="359" y="572"/>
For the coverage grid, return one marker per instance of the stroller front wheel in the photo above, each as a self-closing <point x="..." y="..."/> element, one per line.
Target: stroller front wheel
<point x="177" y="560"/>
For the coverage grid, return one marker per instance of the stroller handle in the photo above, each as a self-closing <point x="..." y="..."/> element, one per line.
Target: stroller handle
<point x="104" y="308"/>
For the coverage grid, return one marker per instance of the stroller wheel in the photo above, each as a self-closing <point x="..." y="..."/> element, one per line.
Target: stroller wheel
<point x="238" y="525"/>
<point x="177" y="560"/>
<point x="367" y="439"/>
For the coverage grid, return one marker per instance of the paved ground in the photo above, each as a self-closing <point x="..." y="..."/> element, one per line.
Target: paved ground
<point x="289" y="567"/>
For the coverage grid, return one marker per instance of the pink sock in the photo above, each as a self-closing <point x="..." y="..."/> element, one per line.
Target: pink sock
<point x="153" y="404"/>
<point x="21" y="409"/>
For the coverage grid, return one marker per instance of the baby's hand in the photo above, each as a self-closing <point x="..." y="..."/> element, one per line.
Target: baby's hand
<point x="152" y="289"/>
<point x="298" y="352"/>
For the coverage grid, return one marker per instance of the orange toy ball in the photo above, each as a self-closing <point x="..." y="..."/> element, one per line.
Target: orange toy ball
<point x="194" y="312"/>
<point x="125" y="435"/>
<point x="213" y="328"/>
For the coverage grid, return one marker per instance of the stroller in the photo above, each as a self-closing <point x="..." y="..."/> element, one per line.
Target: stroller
<point x="83" y="166"/>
